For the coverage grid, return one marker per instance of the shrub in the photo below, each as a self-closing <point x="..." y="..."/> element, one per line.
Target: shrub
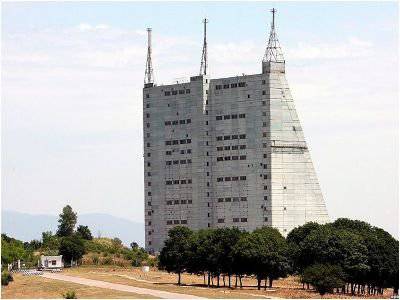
<point x="107" y="261"/>
<point x="95" y="259"/>
<point x="6" y="277"/>
<point x="324" y="278"/>
<point x="70" y="295"/>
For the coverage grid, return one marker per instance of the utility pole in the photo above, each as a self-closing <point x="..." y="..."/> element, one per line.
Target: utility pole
<point x="204" y="63"/>
<point x="148" y="75"/>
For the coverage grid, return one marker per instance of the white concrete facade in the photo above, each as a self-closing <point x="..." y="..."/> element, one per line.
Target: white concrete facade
<point x="248" y="164"/>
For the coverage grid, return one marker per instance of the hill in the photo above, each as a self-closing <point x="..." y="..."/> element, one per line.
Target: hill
<point x="27" y="227"/>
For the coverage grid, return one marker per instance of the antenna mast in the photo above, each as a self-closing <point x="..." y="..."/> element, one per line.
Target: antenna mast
<point x="273" y="52"/>
<point x="148" y="74"/>
<point x="204" y="63"/>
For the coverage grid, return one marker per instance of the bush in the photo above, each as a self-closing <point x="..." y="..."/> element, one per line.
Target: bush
<point x="70" y="295"/>
<point x="107" y="261"/>
<point x="324" y="278"/>
<point x="6" y="277"/>
<point x="95" y="259"/>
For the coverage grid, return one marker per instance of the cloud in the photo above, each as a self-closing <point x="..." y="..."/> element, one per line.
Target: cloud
<point x="87" y="27"/>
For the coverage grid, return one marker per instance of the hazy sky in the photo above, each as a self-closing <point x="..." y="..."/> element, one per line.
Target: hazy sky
<point x="72" y="78"/>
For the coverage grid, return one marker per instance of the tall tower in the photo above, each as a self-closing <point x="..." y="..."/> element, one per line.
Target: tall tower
<point x="226" y="152"/>
<point x="148" y="74"/>
<point x="296" y="197"/>
<point x="204" y="55"/>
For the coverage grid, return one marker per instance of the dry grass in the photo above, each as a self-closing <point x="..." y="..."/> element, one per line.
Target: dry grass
<point x="192" y="284"/>
<point x="29" y="287"/>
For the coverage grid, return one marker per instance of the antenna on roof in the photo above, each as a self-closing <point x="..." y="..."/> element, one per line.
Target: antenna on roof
<point x="148" y="74"/>
<point x="204" y="63"/>
<point x="273" y="51"/>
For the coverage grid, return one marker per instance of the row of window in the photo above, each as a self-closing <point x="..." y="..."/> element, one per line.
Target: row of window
<point x="177" y="162"/>
<point x="183" y="151"/>
<point x="231" y="137"/>
<point x="234" y="178"/>
<point x="175" y="202"/>
<point x="232" y="85"/>
<point x="234" y="147"/>
<point x="176" y="122"/>
<point x="177" y="142"/>
<point x="233" y="199"/>
<point x="235" y="220"/>
<point x="170" y="222"/>
<point x="228" y="117"/>
<point x="233" y="157"/>
<point x="176" y="92"/>
<point x="183" y="181"/>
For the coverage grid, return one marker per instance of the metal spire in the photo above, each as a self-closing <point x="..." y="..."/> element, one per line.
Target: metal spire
<point x="273" y="51"/>
<point x="148" y="74"/>
<point x="204" y="63"/>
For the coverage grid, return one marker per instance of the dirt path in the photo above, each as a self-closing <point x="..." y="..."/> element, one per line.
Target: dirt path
<point x="119" y="287"/>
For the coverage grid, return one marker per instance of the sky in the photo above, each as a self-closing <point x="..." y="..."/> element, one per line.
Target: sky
<point x="72" y="79"/>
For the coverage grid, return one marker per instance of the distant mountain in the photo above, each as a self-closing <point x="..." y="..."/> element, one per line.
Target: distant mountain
<point x="27" y="227"/>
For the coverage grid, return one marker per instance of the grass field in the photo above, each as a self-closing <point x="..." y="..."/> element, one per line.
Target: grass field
<point x="39" y="287"/>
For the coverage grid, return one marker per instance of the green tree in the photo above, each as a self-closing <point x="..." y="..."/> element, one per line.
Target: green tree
<point x="72" y="248"/>
<point x="323" y="277"/>
<point x="50" y="241"/>
<point x="134" y="245"/>
<point x="67" y="221"/>
<point x="175" y="254"/>
<point x="84" y="232"/>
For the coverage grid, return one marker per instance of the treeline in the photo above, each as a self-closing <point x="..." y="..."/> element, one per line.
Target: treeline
<point x="346" y="256"/>
<point x="73" y="242"/>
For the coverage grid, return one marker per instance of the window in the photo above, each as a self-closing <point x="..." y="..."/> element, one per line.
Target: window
<point x="243" y="220"/>
<point x="235" y="147"/>
<point x="234" y="85"/>
<point x="265" y="166"/>
<point x="242" y="177"/>
<point x="220" y="148"/>
<point x="183" y="181"/>
<point x="227" y="148"/>
<point x="235" y="220"/>
<point x="183" y="201"/>
<point x="234" y="116"/>
<point x="220" y="199"/>
<point x="264" y="92"/>
<point x="183" y="221"/>
<point x="148" y="144"/>
<point x="54" y="262"/>
<point x="265" y="219"/>
<point x="242" y="157"/>
<point x="189" y="201"/>
<point x="188" y="121"/>
<point x="226" y="86"/>
<point x="218" y="118"/>
<point x="242" y="136"/>
<point x="235" y="157"/>
<point x="227" y="137"/>
<point x="227" y="179"/>
<point x="264" y="124"/>
<point x="167" y="142"/>
<point x="248" y="96"/>
<point x="235" y="199"/>
<point x="183" y="142"/>
<point x="169" y="202"/>
<point x="148" y="164"/>
<point x="265" y="176"/>
<point x="167" y="123"/>
<point x="265" y="197"/>
<point x="189" y="161"/>
<point x="176" y="221"/>
<point x="167" y="93"/>
<point x="169" y="222"/>
<point x="263" y="82"/>
<point x="242" y="146"/>
<point x="219" y="138"/>
<point x="174" y="92"/>
<point x="187" y="91"/>
<point x="220" y="158"/>
<point x="148" y="154"/>
<point x="147" y="105"/>
<point x="242" y="116"/>
<point x="234" y="137"/>
<point x="181" y="92"/>
<point x="264" y="134"/>
<point x="189" y="151"/>
<point x="182" y="151"/>
<point x="242" y="84"/>
<point x="168" y="152"/>
<point x="188" y="141"/>
<point x="182" y="121"/>
<point x="176" y="201"/>
<point x="227" y="158"/>
<point x="189" y="181"/>
<point x="265" y="187"/>
<point x="228" y="199"/>
<point x="264" y="145"/>
<point x="168" y="163"/>
<point x="176" y="181"/>
<point x="227" y="117"/>
<point x="243" y="198"/>
<point x="176" y="162"/>
<point x="221" y="220"/>
<point x="219" y="179"/>
<point x="183" y="161"/>
<point x="265" y="155"/>
<point x="264" y="103"/>
<point x="148" y="125"/>
<point x="218" y="87"/>
<point x="148" y="193"/>
<point x="235" y="178"/>
<point x="147" y="115"/>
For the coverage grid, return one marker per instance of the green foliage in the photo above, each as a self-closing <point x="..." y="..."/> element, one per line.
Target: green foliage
<point x="72" y="247"/>
<point x="50" y="241"/>
<point x="324" y="277"/>
<point x="70" y="295"/>
<point x="84" y="232"/>
<point x="134" y="245"/>
<point x="12" y="250"/>
<point x="67" y="221"/>
<point x="6" y="278"/>
<point x="176" y="252"/>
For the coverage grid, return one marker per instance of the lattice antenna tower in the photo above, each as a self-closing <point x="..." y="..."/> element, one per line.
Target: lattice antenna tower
<point x="148" y="74"/>
<point x="273" y="52"/>
<point x="204" y="56"/>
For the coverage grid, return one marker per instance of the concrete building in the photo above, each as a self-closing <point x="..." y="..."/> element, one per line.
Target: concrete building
<point x="226" y="152"/>
<point x="50" y="262"/>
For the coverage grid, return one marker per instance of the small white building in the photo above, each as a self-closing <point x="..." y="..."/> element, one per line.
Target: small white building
<point x="51" y="262"/>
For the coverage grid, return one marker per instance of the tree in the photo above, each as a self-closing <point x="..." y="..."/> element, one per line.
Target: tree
<point x="67" y="221"/>
<point x="84" y="232"/>
<point x="134" y="245"/>
<point x="72" y="248"/>
<point x="50" y="241"/>
<point x="175" y="254"/>
<point x="323" y="277"/>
